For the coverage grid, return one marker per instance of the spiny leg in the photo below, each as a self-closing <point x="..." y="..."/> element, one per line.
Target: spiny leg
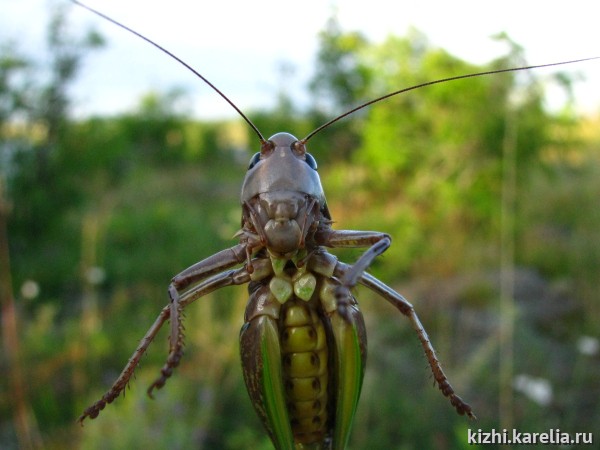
<point x="123" y="379"/>
<point x="348" y="238"/>
<point x="194" y="274"/>
<point x="176" y="341"/>
<point x="212" y="265"/>
<point x="408" y="310"/>
<point x="350" y="275"/>
<point x="376" y="241"/>
<point x="176" y="337"/>
<point x="223" y="279"/>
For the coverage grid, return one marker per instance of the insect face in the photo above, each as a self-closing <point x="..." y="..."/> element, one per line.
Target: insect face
<point x="282" y="195"/>
<point x="284" y="165"/>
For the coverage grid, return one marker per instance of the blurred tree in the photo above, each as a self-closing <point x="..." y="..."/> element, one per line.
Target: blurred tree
<point x="155" y="130"/>
<point x="341" y="81"/>
<point x="341" y="77"/>
<point x="13" y="85"/>
<point x="439" y="150"/>
<point x="32" y="117"/>
<point x="40" y="181"/>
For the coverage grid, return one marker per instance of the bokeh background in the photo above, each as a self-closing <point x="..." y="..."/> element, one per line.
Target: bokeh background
<point x="489" y="188"/>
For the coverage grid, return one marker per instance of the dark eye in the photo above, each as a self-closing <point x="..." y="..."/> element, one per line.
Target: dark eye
<point x="311" y="161"/>
<point x="254" y="160"/>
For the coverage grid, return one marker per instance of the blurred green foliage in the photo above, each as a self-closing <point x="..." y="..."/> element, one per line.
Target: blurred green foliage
<point x="105" y="210"/>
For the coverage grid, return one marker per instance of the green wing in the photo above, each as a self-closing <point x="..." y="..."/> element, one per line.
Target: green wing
<point x="261" y="361"/>
<point x="350" y="358"/>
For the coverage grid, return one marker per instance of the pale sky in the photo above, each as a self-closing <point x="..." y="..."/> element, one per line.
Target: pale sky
<point x="240" y="45"/>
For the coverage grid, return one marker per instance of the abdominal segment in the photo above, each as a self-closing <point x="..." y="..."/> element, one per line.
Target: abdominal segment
<point x="304" y="360"/>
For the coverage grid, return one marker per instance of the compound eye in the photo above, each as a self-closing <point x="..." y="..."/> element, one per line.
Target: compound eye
<point x="312" y="163"/>
<point x="254" y="160"/>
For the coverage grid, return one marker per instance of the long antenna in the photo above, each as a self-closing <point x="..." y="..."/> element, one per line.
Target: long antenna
<point x="430" y="83"/>
<point x="179" y="60"/>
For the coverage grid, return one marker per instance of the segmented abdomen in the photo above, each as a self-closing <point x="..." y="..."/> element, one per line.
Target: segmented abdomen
<point x="305" y="360"/>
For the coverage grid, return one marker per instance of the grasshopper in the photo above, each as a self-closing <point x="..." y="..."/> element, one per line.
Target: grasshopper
<point x="303" y="344"/>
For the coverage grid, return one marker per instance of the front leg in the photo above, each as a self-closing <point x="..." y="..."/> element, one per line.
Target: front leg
<point x="376" y="241"/>
<point x="123" y="380"/>
<point x="178" y="303"/>
<point x="198" y="273"/>
<point x="190" y="276"/>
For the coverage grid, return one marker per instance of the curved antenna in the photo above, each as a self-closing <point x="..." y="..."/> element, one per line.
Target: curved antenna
<point x="179" y="60"/>
<point x="430" y="83"/>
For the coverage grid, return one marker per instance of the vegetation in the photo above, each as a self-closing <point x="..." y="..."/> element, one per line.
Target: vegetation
<point x="490" y="198"/>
